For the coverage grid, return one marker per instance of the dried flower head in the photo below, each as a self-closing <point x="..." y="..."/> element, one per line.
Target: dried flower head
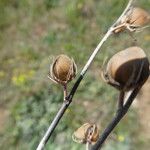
<point x="63" y="69"/>
<point x="133" y="20"/>
<point x="86" y="133"/>
<point x="127" y="69"/>
<point x="138" y="17"/>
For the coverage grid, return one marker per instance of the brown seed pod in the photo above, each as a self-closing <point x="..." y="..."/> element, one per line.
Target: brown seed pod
<point x="93" y="133"/>
<point x="127" y="69"/>
<point x="135" y="18"/>
<point x="86" y="133"/>
<point x="138" y="17"/>
<point x="63" y="69"/>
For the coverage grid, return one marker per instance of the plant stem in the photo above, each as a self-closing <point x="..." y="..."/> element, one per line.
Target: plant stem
<point x="65" y="91"/>
<point x="88" y="146"/>
<point x="119" y="115"/>
<point x="68" y="100"/>
<point x="58" y="116"/>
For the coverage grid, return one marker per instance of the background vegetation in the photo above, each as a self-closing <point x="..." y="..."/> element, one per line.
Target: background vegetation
<point x="31" y="33"/>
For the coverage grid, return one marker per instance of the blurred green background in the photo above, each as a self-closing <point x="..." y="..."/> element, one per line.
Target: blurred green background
<point x="31" y="33"/>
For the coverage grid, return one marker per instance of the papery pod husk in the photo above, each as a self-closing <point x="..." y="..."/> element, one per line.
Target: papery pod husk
<point x="139" y="17"/>
<point x="63" y="69"/>
<point x="135" y="17"/>
<point x="81" y="135"/>
<point x="95" y="135"/>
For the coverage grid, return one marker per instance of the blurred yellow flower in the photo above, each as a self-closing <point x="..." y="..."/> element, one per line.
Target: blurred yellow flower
<point x="121" y="138"/>
<point x="31" y="73"/>
<point x="2" y="74"/>
<point x="147" y="38"/>
<point x="19" y="80"/>
<point x="79" y="5"/>
<point x="10" y="61"/>
<point x="22" y="78"/>
<point x="68" y="111"/>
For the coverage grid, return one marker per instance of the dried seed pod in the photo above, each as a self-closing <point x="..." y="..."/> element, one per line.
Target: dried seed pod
<point x="127" y="69"/>
<point x="135" y="18"/>
<point x="63" y="69"/>
<point x="138" y="17"/>
<point x="93" y="133"/>
<point x="86" y="133"/>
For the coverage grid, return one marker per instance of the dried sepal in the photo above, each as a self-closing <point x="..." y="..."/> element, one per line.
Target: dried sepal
<point x="135" y="19"/>
<point x="87" y="133"/>
<point x="63" y="69"/>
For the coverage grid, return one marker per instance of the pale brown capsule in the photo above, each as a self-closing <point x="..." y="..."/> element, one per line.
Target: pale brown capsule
<point x="127" y="69"/>
<point x="86" y="133"/>
<point x="93" y="133"/>
<point x="134" y="19"/>
<point x="139" y="17"/>
<point x="63" y="69"/>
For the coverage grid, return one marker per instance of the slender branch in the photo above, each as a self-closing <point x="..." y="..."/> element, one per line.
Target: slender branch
<point x="121" y="100"/>
<point x="68" y="100"/>
<point x="53" y="125"/>
<point x="65" y="91"/>
<point x="119" y="115"/>
<point x="109" y="32"/>
<point x="124" y="12"/>
<point x="58" y="116"/>
<point x="88" y="146"/>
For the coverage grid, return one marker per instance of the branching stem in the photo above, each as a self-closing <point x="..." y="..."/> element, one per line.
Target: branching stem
<point x="119" y="115"/>
<point x="68" y="100"/>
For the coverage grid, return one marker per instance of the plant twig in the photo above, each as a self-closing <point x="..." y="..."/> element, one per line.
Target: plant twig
<point x="121" y="100"/>
<point x="124" y="12"/>
<point x="88" y="146"/>
<point x="59" y="115"/>
<point x="68" y="100"/>
<point x="65" y="91"/>
<point x="119" y="115"/>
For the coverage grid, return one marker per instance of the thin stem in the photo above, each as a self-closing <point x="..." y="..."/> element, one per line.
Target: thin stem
<point x="53" y="125"/>
<point x="109" y="32"/>
<point x="124" y="12"/>
<point x="121" y="100"/>
<point x="65" y="91"/>
<point x="58" y="116"/>
<point x="69" y="98"/>
<point x="88" y="146"/>
<point x="119" y="115"/>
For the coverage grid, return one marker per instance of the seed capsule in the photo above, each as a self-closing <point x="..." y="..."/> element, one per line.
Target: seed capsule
<point x="139" y="17"/>
<point x="86" y="133"/>
<point x="63" y="69"/>
<point x="127" y="69"/>
<point x="135" y="18"/>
